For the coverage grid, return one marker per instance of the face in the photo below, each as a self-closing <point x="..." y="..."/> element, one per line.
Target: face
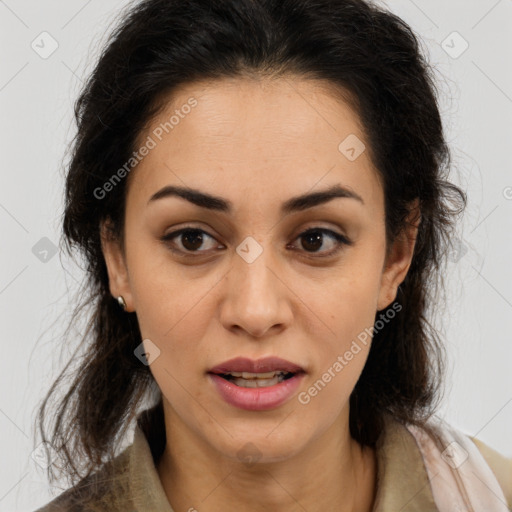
<point x="257" y="274"/>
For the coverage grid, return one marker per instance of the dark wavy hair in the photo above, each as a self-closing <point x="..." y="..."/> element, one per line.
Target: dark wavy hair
<point x="368" y="54"/>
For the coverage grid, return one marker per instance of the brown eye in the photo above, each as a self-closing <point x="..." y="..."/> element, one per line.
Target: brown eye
<point x="191" y="239"/>
<point x="313" y="240"/>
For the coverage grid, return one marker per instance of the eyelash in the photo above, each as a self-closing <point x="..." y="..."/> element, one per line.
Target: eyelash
<point x="341" y="240"/>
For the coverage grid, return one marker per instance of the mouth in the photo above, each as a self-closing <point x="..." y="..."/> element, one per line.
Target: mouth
<point x="256" y="384"/>
<point x="250" y="373"/>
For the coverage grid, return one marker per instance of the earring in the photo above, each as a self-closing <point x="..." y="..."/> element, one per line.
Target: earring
<point x="121" y="302"/>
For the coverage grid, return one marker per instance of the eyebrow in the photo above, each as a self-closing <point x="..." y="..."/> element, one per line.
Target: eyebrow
<point x="294" y="204"/>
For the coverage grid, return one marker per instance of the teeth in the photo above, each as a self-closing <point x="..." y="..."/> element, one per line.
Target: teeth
<point x="247" y="375"/>
<point x="256" y="380"/>
<point x="258" y="383"/>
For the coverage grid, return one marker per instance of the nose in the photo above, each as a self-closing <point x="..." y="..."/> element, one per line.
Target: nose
<point x="257" y="298"/>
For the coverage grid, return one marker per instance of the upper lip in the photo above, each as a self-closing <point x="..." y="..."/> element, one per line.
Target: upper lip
<point x="267" y="364"/>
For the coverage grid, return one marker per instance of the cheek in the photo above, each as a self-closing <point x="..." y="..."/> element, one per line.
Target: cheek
<point x="341" y="352"/>
<point x="348" y="306"/>
<point x="166" y="296"/>
<point x="173" y="313"/>
<point x="175" y="318"/>
<point x="177" y="327"/>
<point x="351" y="302"/>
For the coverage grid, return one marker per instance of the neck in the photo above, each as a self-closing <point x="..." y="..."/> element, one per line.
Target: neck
<point x="332" y="473"/>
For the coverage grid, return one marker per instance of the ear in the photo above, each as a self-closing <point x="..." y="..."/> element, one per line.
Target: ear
<point x="116" y="265"/>
<point x="399" y="258"/>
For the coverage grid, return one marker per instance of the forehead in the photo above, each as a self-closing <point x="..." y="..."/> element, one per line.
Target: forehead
<point x="249" y="136"/>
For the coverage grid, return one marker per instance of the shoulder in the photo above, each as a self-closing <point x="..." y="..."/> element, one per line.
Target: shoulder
<point x="500" y="465"/>
<point x="105" y="490"/>
<point x="482" y="474"/>
<point x="129" y="481"/>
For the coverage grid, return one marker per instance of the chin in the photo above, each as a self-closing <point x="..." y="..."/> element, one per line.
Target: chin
<point x="257" y="447"/>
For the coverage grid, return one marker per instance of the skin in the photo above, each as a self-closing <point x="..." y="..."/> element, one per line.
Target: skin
<point x="258" y="143"/>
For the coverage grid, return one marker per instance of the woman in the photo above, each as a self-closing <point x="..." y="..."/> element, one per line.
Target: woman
<point x="259" y="190"/>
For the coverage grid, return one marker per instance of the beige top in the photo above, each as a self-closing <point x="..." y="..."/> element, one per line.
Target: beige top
<point x="402" y="482"/>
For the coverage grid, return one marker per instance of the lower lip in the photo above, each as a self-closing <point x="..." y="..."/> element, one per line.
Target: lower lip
<point x="256" y="399"/>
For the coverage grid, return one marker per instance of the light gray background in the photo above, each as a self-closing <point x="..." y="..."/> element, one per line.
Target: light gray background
<point x="36" y="99"/>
